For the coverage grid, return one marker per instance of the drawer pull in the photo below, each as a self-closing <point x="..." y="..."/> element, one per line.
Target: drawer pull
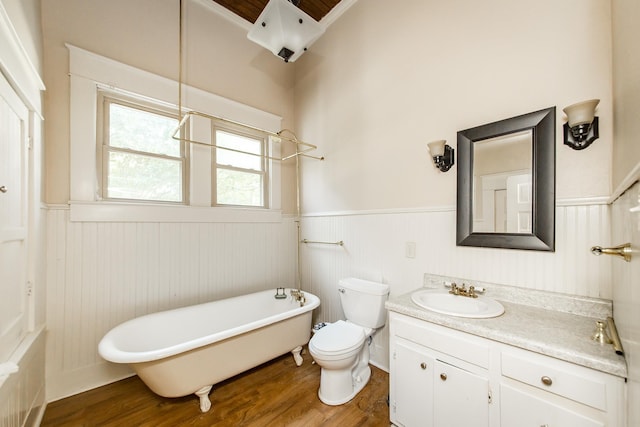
<point x="443" y="376"/>
<point x="546" y="380"/>
<point x="423" y="365"/>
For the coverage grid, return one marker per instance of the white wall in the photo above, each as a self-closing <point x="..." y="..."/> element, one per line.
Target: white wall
<point x="218" y="58"/>
<point x="103" y="273"/>
<point x="386" y="80"/>
<point x="626" y="158"/>
<point x="626" y="91"/>
<point x="375" y="249"/>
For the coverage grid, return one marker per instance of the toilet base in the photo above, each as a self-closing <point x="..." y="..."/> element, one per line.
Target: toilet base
<point x="337" y="388"/>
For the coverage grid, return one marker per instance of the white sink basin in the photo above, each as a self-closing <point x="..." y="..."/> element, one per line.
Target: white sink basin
<point x="441" y="301"/>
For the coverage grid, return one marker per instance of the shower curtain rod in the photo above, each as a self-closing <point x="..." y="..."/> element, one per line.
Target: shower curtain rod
<point x="279" y="135"/>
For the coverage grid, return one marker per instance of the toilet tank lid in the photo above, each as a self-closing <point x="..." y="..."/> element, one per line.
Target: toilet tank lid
<point x="365" y="286"/>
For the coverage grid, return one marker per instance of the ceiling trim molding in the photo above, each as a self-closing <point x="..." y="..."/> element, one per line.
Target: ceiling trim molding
<point x="226" y="14"/>
<point x="335" y="13"/>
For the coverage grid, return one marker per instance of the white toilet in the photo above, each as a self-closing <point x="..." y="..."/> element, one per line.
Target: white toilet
<point x="342" y="348"/>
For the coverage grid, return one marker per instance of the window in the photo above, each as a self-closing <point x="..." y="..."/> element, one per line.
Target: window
<point x="140" y="159"/>
<point x="131" y="115"/>
<point x="240" y="165"/>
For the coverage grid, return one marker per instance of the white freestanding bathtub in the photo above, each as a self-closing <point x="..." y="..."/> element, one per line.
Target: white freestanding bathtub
<point x="187" y="350"/>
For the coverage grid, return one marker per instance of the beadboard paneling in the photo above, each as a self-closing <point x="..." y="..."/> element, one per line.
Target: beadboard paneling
<point x="22" y="394"/>
<point x="100" y="274"/>
<point x="374" y="249"/>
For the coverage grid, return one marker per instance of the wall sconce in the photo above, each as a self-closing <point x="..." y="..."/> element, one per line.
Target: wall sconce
<point x="581" y="128"/>
<point x="442" y="154"/>
<point x="285" y="30"/>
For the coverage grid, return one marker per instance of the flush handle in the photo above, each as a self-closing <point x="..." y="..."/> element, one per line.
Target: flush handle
<point x="546" y="380"/>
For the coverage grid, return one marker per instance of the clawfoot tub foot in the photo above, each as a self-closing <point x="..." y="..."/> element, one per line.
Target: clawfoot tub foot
<point x="203" y="394"/>
<point x="296" y="355"/>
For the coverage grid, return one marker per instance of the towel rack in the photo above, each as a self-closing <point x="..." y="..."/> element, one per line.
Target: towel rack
<point x="339" y="242"/>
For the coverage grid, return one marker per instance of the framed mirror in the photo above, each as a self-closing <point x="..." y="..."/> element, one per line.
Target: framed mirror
<point x="506" y="183"/>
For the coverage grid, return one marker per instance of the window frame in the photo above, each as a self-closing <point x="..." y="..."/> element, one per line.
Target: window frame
<point x="105" y="99"/>
<point x="245" y="132"/>
<point x="89" y="72"/>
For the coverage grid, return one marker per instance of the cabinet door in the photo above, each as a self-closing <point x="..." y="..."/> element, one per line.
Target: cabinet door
<point x="412" y="388"/>
<point x="461" y="397"/>
<point x="519" y="408"/>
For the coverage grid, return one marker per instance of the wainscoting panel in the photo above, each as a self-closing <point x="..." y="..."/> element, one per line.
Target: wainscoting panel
<point x="100" y="274"/>
<point x="375" y="248"/>
<point x="22" y="393"/>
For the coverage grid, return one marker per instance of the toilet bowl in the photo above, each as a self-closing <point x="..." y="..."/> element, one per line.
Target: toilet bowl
<point x="342" y="348"/>
<point x="339" y="349"/>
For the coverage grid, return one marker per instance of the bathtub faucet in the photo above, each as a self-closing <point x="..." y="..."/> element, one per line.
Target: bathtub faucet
<point x="298" y="295"/>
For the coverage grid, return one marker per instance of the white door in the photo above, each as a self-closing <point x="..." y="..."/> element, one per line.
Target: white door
<point x="519" y="204"/>
<point x="625" y="221"/>
<point x="13" y="219"/>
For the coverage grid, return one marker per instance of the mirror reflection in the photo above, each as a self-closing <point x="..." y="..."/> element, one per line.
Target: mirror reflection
<point x="502" y="177"/>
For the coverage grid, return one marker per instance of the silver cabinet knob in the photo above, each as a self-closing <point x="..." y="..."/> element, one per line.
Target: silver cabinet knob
<point x="546" y="380"/>
<point x="3" y="189"/>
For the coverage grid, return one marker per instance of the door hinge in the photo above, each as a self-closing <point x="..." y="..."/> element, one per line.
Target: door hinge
<point x="29" y="288"/>
<point x="490" y="397"/>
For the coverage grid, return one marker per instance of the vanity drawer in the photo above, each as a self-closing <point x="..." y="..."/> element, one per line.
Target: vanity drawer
<point x="565" y="379"/>
<point x="523" y="409"/>
<point x="444" y="340"/>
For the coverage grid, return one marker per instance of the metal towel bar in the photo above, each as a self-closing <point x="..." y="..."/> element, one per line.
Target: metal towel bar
<point x="339" y="243"/>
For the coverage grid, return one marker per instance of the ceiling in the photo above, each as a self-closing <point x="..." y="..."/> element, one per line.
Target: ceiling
<point x="251" y="9"/>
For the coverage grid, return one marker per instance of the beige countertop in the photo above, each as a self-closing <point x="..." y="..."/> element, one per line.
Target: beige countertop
<point x="542" y="328"/>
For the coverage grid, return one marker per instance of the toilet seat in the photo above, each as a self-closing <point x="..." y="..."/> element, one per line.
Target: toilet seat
<point x="337" y="339"/>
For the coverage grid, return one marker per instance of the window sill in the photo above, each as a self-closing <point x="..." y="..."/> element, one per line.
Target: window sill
<point x="138" y="212"/>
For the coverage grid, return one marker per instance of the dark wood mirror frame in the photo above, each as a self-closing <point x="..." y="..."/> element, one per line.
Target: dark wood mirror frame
<point x="542" y="238"/>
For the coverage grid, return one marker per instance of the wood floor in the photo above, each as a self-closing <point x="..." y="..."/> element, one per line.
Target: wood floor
<point x="275" y="394"/>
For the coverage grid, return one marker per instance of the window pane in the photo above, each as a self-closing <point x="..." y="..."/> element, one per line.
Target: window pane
<point x="239" y="188"/>
<point x="242" y="143"/>
<point x="142" y="131"/>
<point x="132" y="176"/>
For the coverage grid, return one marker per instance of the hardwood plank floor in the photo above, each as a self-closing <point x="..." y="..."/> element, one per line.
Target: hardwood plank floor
<point x="274" y="394"/>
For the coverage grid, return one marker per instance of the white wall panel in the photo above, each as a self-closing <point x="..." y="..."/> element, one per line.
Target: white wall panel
<point x="374" y="249"/>
<point x="101" y="274"/>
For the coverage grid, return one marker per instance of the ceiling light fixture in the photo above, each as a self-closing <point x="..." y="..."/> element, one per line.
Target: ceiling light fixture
<point x="285" y="30"/>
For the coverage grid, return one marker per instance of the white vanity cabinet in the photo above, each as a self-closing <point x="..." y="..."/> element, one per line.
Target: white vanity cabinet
<point x="430" y="383"/>
<point x="442" y="377"/>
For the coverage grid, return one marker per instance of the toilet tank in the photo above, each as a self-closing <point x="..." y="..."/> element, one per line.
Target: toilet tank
<point x="363" y="301"/>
